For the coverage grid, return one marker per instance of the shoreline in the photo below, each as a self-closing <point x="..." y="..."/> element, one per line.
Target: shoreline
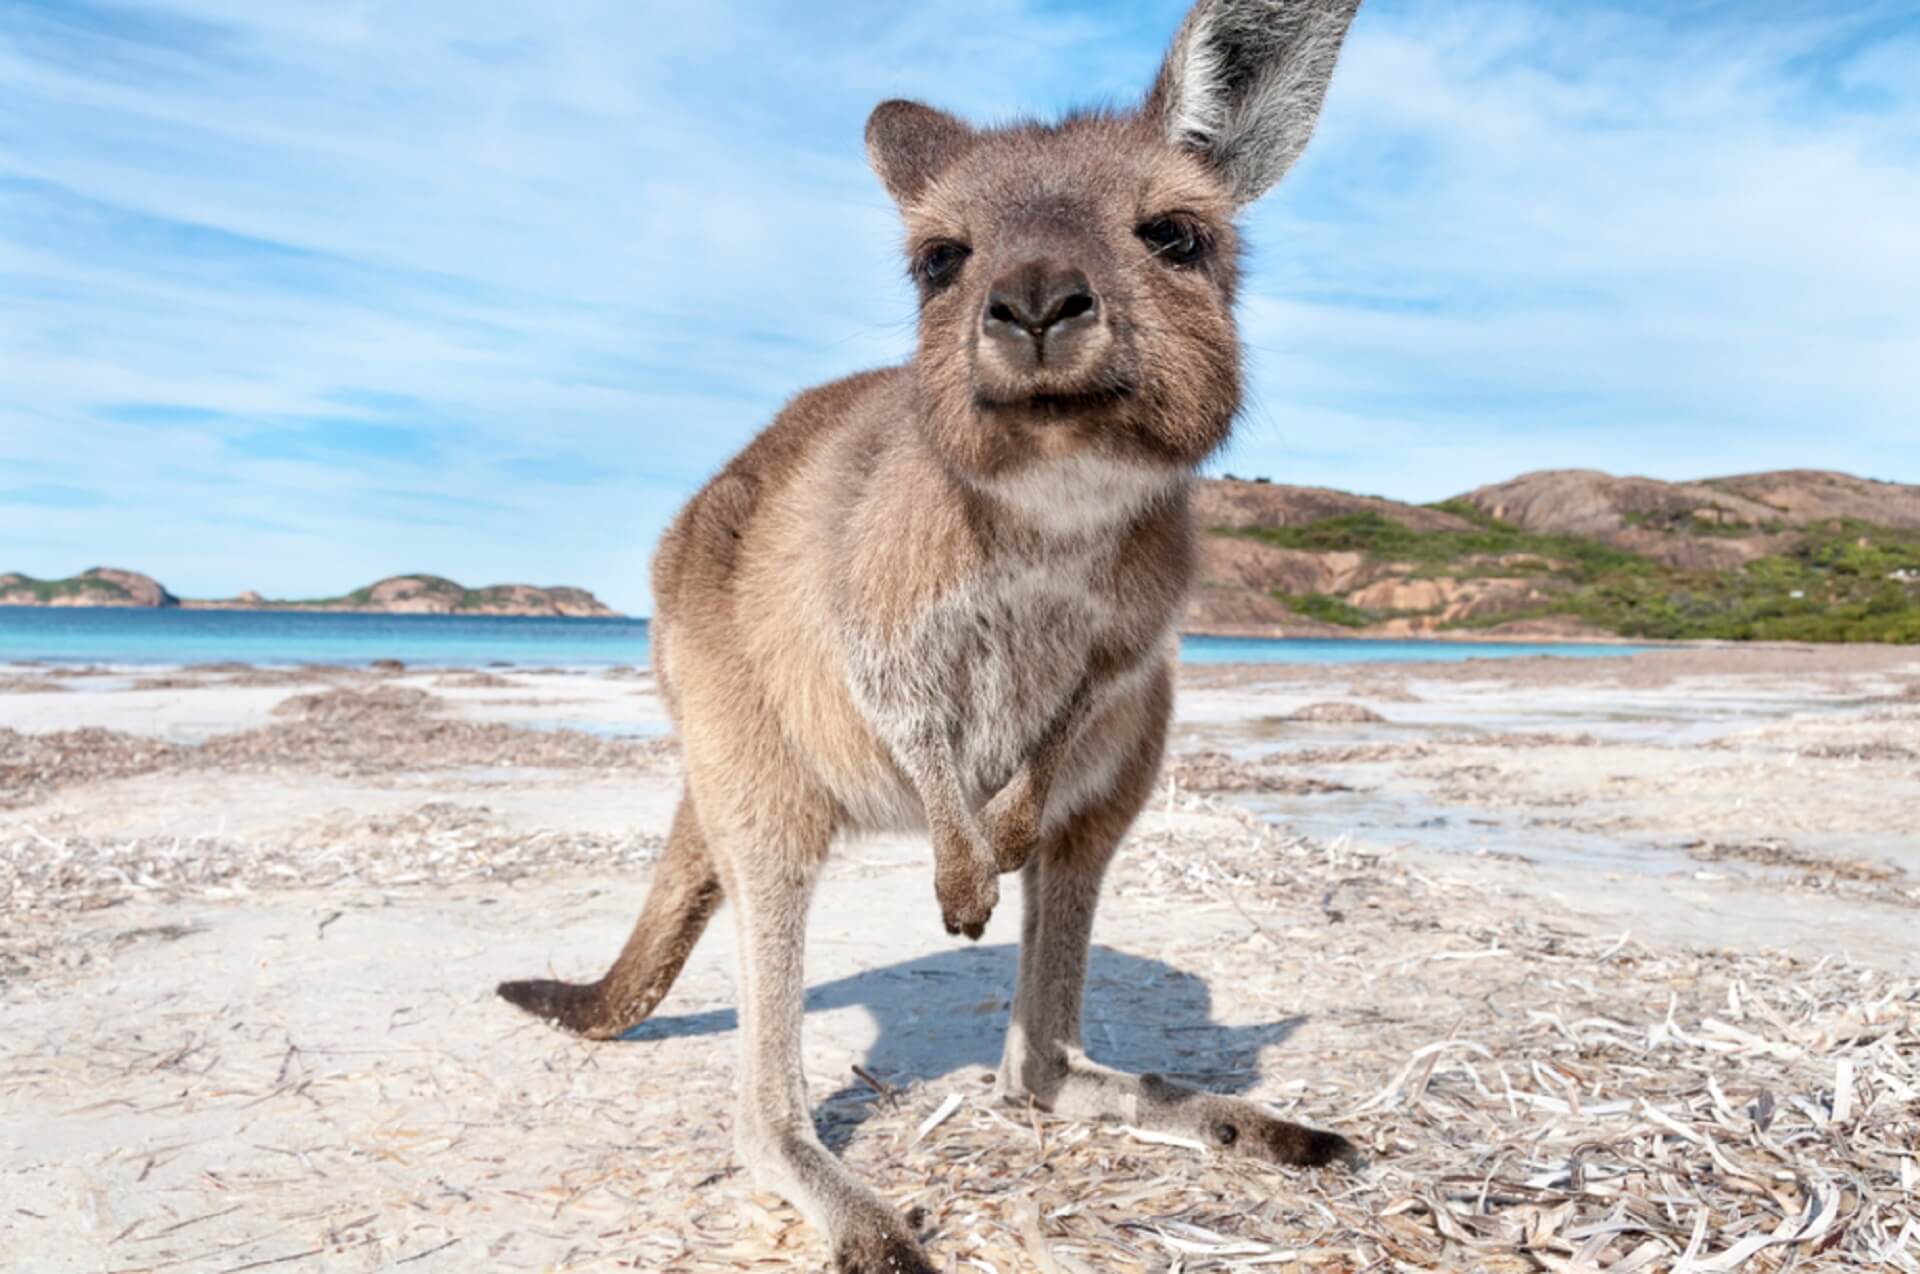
<point x="1852" y="653"/>
<point x="1231" y="632"/>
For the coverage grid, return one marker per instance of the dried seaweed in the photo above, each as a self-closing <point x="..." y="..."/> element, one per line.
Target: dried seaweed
<point x="1610" y="1108"/>
<point x="343" y="731"/>
<point x="437" y="844"/>
<point x="1335" y="713"/>
<point x="1275" y="774"/>
<point x="30" y="685"/>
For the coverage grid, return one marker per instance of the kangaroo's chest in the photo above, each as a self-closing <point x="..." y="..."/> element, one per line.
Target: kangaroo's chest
<point x="1014" y="644"/>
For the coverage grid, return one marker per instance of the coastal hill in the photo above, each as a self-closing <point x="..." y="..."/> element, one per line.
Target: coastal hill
<point x="1791" y="555"/>
<point x="395" y="595"/>
<point x="101" y="586"/>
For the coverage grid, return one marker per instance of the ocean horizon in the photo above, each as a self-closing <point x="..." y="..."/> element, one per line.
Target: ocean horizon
<point x="173" y="637"/>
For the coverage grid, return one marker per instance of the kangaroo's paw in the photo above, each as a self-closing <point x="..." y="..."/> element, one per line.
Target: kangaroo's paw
<point x="967" y="887"/>
<point x="1011" y="822"/>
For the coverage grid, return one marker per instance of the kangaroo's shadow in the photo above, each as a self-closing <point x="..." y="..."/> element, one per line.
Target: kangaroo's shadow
<point x="948" y="1011"/>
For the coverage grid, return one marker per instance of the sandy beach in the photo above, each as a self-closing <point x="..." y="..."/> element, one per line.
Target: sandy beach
<point x="1608" y="963"/>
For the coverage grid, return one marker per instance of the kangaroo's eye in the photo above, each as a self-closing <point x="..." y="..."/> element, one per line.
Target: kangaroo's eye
<point x="1174" y="240"/>
<point x="939" y="263"/>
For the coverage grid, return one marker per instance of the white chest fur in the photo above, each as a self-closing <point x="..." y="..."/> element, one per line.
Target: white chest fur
<point x="1017" y="641"/>
<point x="988" y="667"/>
<point x="1081" y="494"/>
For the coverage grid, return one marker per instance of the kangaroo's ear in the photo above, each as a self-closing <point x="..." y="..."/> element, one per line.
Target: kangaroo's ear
<point x="1243" y="83"/>
<point x="908" y="144"/>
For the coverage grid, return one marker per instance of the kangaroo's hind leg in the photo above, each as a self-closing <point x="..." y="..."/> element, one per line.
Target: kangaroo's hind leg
<point x="770" y="834"/>
<point x="683" y="897"/>
<point x="1044" y="1059"/>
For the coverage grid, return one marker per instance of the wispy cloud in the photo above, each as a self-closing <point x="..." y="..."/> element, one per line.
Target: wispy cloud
<point x="1619" y="237"/>
<point x="50" y="495"/>
<point x="293" y="295"/>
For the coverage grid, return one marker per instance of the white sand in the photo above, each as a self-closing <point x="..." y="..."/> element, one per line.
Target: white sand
<point x="298" y="1078"/>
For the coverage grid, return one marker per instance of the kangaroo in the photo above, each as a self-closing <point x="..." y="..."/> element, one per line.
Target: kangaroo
<point x="944" y="595"/>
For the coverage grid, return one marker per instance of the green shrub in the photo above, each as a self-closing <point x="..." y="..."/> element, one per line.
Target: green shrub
<point x="1330" y="609"/>
<point x="1836" y="585"/>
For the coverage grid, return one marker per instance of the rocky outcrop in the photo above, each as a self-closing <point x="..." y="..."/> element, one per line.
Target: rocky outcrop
<point x="1588" y="502"/>
<point x="395" y="595"/>
<point x="1227" y="611"/>
<point x="1306" y="561"/>
<point x="525" y="599"/>
<point x="101" y="586"/>
<point x="1245" y="563"/>
<point x="435" y="595"/>
<point x="1237" y="504"/>
<point x="1804" y="496"/>
<point x="1443" y="598"/>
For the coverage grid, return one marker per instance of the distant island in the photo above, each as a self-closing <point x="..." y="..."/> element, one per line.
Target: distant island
<point x="1797" y="555"/>
<point x="395" y="595"/>
<point x="1560" y="555"/>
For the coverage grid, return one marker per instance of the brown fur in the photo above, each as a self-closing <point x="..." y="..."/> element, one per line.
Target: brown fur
<point x="944" y="594"/>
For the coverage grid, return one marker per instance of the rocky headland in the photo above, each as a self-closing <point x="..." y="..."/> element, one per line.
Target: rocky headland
<point x="395" y="595"/>
<point x="1797" y="555"/>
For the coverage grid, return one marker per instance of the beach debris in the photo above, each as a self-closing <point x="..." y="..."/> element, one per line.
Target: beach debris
<point x="379" y="731"/>
<point x="1275" y="774"/>
<point x="169" y="681"/>
<point x="433" y="845"/>
<point x="44" y="684"/>
<point x="33" y="764"/>
<point x="1336" y="712"/>
<point x="346" y="704"/>
<point x="940" y="1116"/>
<point x="1778" y="853"/>
<point x="1589" y="1103"/>
<point x="476" y="681"/>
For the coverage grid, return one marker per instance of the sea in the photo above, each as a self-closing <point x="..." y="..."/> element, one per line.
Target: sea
<point x="147" y="637"/>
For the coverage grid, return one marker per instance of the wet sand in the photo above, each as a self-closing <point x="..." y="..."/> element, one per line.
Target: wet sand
<point x="1479" y="916"/>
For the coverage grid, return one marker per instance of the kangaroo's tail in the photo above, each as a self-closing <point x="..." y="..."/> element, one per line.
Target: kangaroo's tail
<point x="686" y="892"/>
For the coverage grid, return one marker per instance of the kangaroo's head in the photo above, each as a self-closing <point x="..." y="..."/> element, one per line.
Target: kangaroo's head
<point x="1077" y="280"/>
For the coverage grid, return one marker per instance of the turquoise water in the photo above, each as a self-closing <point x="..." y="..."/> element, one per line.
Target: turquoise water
<point x="131" y="636"/>
<point x="139" y="636"/>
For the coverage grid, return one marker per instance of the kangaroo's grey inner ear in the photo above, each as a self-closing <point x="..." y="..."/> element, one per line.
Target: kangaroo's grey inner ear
<point x="1244" y="81"/>
<point x="908" y="144"/>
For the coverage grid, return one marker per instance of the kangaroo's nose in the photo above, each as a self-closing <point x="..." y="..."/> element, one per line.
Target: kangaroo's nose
<point x="1035" y="304"/>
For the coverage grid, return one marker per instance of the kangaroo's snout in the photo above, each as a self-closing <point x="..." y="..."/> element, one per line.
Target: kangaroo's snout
<point x="1036" y="312"/>
<point x="1043" y="330"/>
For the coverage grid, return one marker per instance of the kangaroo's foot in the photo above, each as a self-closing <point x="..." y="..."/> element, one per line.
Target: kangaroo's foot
<point x="864" y="1232"/>
<point x="878" y="1252"/>
<point x="1081" y="1089"/>
<point x="1243" y="1127"/>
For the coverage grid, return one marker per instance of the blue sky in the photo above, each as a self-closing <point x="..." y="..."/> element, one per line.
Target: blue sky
<point x="295" y="295"/>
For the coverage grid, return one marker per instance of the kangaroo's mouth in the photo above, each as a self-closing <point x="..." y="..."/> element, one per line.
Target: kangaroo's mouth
<point x="1056" y="406"/>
